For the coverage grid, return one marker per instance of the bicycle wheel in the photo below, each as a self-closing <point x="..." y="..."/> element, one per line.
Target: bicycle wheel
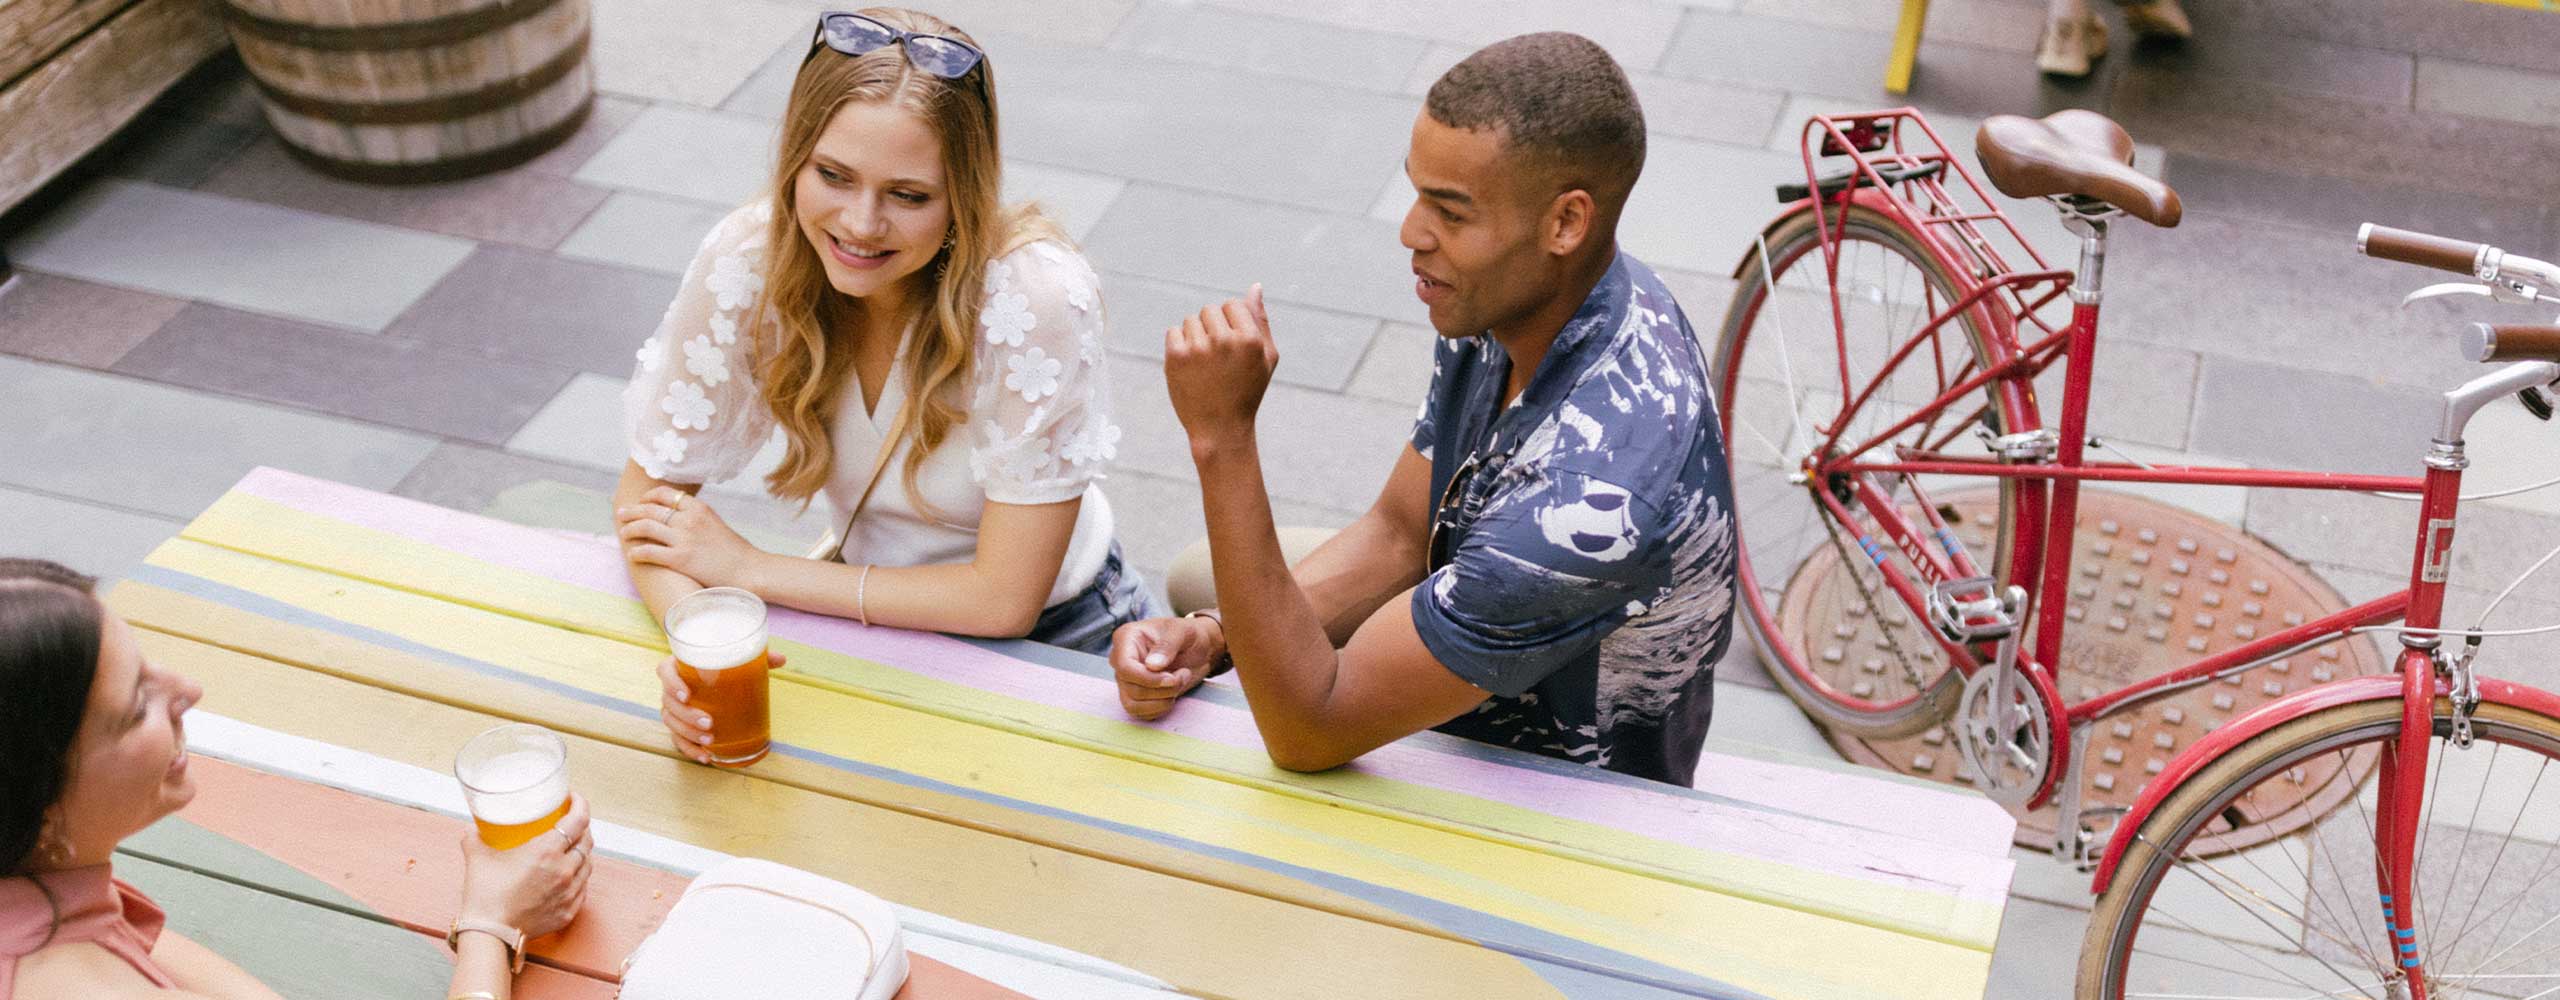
<point x="1778" y="372"/>
<point x="2301" y="916"/>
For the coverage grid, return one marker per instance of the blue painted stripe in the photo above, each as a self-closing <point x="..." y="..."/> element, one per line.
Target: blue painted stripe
<point x="1947" y="540"/>
<point x="2408" y="963"/>
<point x="2408" y="947"/>
<point x="2406" y="932"/>
<point x="1498" y="934"/>
<point x="1874" y="551"/>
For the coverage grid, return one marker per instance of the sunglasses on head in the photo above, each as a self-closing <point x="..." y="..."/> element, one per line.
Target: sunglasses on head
<point x="940" y="55"/>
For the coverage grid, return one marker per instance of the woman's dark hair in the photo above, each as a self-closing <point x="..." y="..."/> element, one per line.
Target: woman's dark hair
<point x="51" y="625"/>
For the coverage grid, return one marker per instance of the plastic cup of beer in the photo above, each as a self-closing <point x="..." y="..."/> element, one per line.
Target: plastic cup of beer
<point x="515" y="778"/>
<point x="718" y="636"/>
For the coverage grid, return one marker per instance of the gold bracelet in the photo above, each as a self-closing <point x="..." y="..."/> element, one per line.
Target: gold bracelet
<point x="862" y="597"/>
<point x="474" y="995"/>
<point x="1225" y="660"/>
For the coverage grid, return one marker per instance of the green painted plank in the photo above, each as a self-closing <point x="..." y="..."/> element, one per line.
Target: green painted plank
<point x="302" y="951"/>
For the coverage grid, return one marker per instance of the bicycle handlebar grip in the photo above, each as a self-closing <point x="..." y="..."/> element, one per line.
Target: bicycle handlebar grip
<point x="2511" y="342"/>
<point x="2457" y="256"/>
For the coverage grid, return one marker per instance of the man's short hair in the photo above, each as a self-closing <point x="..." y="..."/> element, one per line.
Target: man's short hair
<point x="1559" y="98"/>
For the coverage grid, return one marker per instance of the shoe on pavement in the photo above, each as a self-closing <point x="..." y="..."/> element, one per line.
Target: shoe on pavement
<point x="2158" y="19"/>
<point x="2070" y="45"/>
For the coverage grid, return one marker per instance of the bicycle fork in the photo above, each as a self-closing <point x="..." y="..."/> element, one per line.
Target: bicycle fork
<point x="2400" y="795"/>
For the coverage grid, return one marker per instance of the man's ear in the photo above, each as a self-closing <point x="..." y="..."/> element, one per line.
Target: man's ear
<point x="1569" y="222"/>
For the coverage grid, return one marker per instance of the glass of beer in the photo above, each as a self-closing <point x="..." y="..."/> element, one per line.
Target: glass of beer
<point x="718" y="636"/>
<point x="515" y="778"/>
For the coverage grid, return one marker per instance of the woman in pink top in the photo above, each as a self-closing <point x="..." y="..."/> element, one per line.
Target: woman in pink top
<point x="92" y="750"/>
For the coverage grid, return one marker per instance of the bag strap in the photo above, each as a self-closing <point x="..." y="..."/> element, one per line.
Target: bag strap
<point x="879" y="465"/>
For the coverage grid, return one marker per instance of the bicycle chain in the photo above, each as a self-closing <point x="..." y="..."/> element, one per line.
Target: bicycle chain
<point x="1910" y="671"/>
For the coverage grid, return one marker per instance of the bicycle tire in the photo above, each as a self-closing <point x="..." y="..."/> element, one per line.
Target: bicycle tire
<point x="1931" y="699"/>
<point x="2326" y="938"/>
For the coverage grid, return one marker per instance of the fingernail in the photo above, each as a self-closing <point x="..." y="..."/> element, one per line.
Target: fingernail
<point x="702" y="720"/>
<point x="704" y="739"/>
<point x="1155" y="659"/>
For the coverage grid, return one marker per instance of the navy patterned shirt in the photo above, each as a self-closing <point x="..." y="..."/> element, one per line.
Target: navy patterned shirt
<point x="1583" y="540"/>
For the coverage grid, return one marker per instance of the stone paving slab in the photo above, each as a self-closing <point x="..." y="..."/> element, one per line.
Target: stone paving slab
<point x="102" y="541"/>
<point x="583" y="426"/>
<point x="529" y="307"/>
<point x="238" y="253"/>
<point x="1319" y="347"/>
<point x="2006" y="25"/>
<point x="75" y="322"/>
<point x="2325" y="206"/>
<point x="688" y="51"/>
<point x="1310" y="145"/>
<point x="397" y="382"/>
<point x="2272" y="416"/>
<point x="523" y="489"/>
<point x="174" y="451"/>
<point x="708" y="156"/>
<point x="2457" y="87"/>
<point x="525" y="208"/>
<point x="1634" y="31"/>
<point x="1271" y="46"/>
<point x="2292" y="63"/>
<point x="1318" y="448"/>
<point x="1197" y="238"/>
<point x="644" y="231"/>
<point x="1397" y="369"/>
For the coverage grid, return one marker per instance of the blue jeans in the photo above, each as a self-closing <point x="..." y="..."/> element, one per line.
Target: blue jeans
<point x="1116" y="597"/>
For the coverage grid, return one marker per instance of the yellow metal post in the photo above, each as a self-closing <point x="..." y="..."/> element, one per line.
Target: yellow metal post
<point x="1906" y="46"/>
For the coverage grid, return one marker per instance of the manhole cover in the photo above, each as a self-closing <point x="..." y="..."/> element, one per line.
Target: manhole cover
<point x="2153" y="587"/>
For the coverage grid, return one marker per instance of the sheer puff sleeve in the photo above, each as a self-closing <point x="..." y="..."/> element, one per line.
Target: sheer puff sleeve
<point x="1040" y="420"/>
<point x="692" y="413"/>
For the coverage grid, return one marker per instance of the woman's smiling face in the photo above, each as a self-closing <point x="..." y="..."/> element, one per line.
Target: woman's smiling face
<point x="873" y="200"/>
<point x="129" y="761"/>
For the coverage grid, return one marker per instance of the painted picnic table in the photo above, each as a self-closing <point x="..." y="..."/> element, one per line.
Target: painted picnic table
<point x="997" y="785"/>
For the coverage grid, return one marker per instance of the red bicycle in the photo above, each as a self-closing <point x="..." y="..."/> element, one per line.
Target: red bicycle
<point x="2372" y="836"/>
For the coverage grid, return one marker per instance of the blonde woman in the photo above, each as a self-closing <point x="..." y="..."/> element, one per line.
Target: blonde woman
<point x="897" y="324"/>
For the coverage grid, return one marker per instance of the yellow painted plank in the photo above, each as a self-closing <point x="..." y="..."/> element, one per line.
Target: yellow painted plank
<point x="1230" y="943"/>
<point x="1738" y="941"/>
<point x="251" y="525"/>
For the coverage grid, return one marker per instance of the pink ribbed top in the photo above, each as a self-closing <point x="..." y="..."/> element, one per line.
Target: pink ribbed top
<point x="86" y="904"/>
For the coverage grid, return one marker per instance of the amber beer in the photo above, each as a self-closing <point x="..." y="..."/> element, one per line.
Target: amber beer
<point x="718" y="636"/>
<point x="515" y="778"/>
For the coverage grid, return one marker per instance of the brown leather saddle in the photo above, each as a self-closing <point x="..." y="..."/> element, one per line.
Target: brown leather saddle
<point x="2073" y="152"/>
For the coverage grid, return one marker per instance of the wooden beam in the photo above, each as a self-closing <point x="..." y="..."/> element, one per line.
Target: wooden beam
<point x="63" y="107"/>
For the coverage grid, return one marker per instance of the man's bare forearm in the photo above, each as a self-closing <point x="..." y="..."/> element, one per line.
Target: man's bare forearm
<point x="1283" y="653"/>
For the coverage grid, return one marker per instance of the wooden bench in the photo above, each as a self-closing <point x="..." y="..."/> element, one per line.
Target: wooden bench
<point x="72" y="72"/>
<point x="998" y="784"/>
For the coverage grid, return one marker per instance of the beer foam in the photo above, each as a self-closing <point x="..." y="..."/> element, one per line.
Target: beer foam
<point x="532" y="784"/>
<point x="717" y="636"/>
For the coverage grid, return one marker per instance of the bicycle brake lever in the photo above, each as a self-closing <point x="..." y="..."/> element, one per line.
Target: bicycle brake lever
<point x="2535" y="402"/>
<point x="2443" y="290"/>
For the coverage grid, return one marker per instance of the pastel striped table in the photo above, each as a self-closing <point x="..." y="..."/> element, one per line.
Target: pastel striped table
<point x="998" y="783"/>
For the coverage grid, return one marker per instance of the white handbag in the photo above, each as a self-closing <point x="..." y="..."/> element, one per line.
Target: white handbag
<point x="755" y="930"/>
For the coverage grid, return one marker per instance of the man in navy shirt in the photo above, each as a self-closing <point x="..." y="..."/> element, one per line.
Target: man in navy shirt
<point x="1550" y="566"/>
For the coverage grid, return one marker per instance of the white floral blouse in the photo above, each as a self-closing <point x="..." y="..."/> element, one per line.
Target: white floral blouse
<point x="1039" y="429"/>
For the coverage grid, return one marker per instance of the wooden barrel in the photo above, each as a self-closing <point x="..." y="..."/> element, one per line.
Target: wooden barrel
<point x="411" y="91"/>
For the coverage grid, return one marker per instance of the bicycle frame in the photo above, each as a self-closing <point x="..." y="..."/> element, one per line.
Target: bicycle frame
<point x="2000" y="297"/>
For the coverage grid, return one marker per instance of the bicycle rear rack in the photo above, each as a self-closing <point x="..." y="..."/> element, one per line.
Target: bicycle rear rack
<point x="1931" y="192"/>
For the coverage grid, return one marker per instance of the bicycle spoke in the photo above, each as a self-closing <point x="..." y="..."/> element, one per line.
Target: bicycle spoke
<point x="2188" y="864"/>
<point x="1786" y="365"/>
<point x="2479" y="796"/>
<point x="2271" y="966"/>
<point x="2463" y="931"/>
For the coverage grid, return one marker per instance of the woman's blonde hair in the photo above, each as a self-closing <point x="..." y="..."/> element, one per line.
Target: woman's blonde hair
<point x="802" y="371"/>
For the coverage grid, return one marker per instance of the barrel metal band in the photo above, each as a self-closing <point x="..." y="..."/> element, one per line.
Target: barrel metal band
<point x="433" y="110"/>
<point x="453" y="169"/>
<point x="388" y="36"/>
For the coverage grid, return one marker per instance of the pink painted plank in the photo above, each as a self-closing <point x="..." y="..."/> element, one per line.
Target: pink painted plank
<point x="1931" y="821"/>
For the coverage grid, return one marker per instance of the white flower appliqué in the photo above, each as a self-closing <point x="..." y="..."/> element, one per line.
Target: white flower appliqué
<point x="686" y="407"/>
<point x="705" y="361"/>
<point x="650" y="356"/>
<point x="724" y="328"/>
<point x="733" y="282"/>
<point x="1080" y="293"/>
<point x="669" y="450"/>
<point x="1098" y="442"/>
<point x="1032" y="373"/>
<point x="1007" y="318"/>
